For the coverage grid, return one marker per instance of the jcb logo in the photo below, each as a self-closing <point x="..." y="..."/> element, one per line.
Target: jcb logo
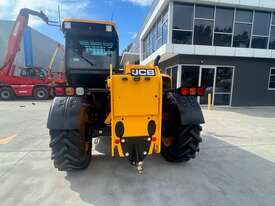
<point x="143" y="72"/>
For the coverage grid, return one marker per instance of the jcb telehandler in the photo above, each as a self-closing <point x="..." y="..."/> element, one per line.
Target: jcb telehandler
<point x="135" y="106"/>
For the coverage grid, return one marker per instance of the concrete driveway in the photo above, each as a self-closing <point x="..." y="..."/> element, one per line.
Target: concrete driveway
<point x="236" y="165"/>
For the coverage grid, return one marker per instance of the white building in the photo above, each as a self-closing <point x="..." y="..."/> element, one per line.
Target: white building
<point x="226" y="46"/>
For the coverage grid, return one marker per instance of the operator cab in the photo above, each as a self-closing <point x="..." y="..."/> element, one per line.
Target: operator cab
<point x="90" y="47"/>
<point x="34" y="73"/>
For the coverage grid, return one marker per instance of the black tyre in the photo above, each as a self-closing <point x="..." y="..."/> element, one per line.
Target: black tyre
<point x="179" y="142"/>
<point x="184" y="144"/>
<point x="41" y="93"/>
<point x="69" y="150"/>
<point x="6" y="93"/>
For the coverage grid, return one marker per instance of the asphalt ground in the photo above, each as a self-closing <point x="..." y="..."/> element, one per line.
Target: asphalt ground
<point x="236" y="165"/>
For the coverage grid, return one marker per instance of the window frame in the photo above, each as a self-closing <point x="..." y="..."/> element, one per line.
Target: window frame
<point x="186" y="30"/>
<point x="260" y="36"/>
<point x="249" y="35"/>
<point x="248" y="10"/>
<point x="192" y="23"/>
<point x="212" y="31"/>
<point x="269" y="78"/>
<point x="272" y="25"/>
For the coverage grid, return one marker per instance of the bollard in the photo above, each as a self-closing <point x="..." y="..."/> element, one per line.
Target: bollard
<point x="209" y="101"/>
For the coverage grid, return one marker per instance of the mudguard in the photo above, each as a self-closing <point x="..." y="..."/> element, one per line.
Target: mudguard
<point x="64" y="113"/>
<point x="189" y="109"/>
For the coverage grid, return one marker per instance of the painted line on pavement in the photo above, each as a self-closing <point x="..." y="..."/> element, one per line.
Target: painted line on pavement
<point x="7" y="140"/>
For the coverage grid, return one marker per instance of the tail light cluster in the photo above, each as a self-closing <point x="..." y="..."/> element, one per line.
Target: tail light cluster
<point x="80" y="91"/>
<point x="69" y="91"/>
<point x="193" y="91"/>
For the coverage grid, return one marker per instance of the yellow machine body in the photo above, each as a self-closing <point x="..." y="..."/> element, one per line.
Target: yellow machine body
<point x="135" y="101"/>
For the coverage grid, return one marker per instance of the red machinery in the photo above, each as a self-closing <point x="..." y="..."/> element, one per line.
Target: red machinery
<point x="14" y="86"/>
<point x="57" y="77"/>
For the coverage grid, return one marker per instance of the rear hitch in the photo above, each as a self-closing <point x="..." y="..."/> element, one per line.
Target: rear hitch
<point x="136" y="150"/>
<point x="140" y="167"/>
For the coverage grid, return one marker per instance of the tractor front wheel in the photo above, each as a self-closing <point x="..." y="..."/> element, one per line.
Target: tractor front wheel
<point x="70" y="151"/>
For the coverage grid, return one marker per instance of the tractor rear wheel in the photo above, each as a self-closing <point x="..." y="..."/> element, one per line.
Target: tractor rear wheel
<point x="6" y="93"/>
<point x="41" y="93"/>
<point x="184" y="145"/>
<point x="70" y="151"/>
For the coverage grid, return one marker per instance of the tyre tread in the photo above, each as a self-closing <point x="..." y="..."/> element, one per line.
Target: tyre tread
<point x="67" y="151"/>
<point x="185" y="145"/>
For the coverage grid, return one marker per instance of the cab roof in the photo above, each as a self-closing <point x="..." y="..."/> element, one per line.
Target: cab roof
<point x="90" y="21"/>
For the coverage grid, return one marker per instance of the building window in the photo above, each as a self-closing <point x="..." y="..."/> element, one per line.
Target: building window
<point x="224" y="79"/>
<point x="190" y="76"/>
<point x="204" y="12"/>
<point x="223" y="27"/>
<point x="272" y="33"/>
<point x="173" y="73"/>
<point x="159" y="33"/>
<point x="242" y="35"/>
<point x="261" y="28"/>
<point x="183" y="23"/>
<point x="271" y="84"/>
<point x="199" y="24"/>
<point x="244" y="15"/>
<point x="222" y="40"/>
<point x="182" y="37"/>
<point x="259" y="42"/>
<point x="203" y="32"/>
<point x="261" y="23"/>
<point x="204" y="22"/>
<point x="224" y="20"/>
<point x="243" y="25"/>
<point x="157" y="36"/>
<point x="164" y="27"/>
<point x="183" y="16"/>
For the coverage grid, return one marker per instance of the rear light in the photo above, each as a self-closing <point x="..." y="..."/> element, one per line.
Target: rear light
<point x="59" y="91"/>
<point x="194" y="91"/>
<point x="201" y="91"/>
<point x="69" y="91"/>
<point x="117" y="141"/>
<point x="79" y="91"/>
<point x="184" y="91"/>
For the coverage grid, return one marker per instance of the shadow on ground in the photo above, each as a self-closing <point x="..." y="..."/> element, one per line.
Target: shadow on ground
<point x="222" y="175"/>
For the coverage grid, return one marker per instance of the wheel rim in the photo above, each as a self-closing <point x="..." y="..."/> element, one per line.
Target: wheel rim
<point x="167" y="141"/>
<point x="41" y="94"/>
<point x="5" y="95"/>
<point x="167" y="136"/>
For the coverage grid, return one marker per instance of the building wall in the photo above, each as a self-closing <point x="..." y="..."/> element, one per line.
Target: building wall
<point x="250" y="87"/>
<point x="42" y="48"/>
